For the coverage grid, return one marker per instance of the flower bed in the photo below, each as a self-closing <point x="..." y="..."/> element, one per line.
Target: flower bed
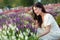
<point x="17" y="27"/>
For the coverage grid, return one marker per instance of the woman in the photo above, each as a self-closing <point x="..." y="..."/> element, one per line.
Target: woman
<point x="47" y="28"/>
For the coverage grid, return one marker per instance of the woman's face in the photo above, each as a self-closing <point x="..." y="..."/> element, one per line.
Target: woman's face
<point x="37" y="10"/>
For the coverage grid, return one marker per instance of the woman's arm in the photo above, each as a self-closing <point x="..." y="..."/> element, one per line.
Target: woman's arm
<point x="46" y="31"/>
<point x="36" y="24"/>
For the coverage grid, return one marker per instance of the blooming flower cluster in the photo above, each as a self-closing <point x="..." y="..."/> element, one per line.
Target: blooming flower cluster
<point x="17" y="27"/>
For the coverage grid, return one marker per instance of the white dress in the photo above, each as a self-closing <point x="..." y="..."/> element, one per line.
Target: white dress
<point x="54" y="33"/>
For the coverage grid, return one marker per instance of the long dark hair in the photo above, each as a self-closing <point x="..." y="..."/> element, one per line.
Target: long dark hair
<point x="38" y="18"/>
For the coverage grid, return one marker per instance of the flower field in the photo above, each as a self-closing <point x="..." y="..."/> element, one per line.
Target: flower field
<point x="18" y="24"/>
<point x="17" y="27"/>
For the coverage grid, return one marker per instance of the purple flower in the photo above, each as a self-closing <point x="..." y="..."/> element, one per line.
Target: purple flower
<point x="1" y="26"/>
<point x="20" y="27"/>
<point x="29" y="19"/>
<point x="13" y="15"/>
<point x="14" y="21"/>
<point x="8" y="21"/>
<point x="3" y="20"/>
<point x="17" y="19"/>
<point x="33" y="30"/>
<point x="28" y="26"/>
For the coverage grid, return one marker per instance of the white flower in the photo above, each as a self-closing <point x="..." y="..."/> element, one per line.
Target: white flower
<point x="17" y="29"/>
<point x="24" y="33"/>
<point x="13" y="28"/>
<point x="17" y="35"/>
<point x="13" y="33"/>
<point x="18" y="39"/>
<point x="21" y="35"/>
<point x="27" y="30"/>
<point x="0" y="36"/>
<point x="4" y="27"/>
<point x="10" y="25"/>
<point x="4" y="32"/>
<point x="8" y="31"/>
<point x="5" y="38"/>
<point x="32" y="33"/>
<point x="0" y="30"/>
<point x="13" y="37"/>
<point x="26" y="37"/>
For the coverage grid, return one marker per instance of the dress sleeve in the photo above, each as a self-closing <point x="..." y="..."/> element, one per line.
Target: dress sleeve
<point x="48" y="19"/>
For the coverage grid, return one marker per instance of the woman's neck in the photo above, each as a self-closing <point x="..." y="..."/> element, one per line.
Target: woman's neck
<point x="42" y="14"/>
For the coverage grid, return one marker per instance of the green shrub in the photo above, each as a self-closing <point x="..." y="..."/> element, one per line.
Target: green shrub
<point x="58" y="19"/>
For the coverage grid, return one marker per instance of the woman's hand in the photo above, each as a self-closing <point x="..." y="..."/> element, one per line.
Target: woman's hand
<point x="36" y="24"/>
<point x="46" y="31"/>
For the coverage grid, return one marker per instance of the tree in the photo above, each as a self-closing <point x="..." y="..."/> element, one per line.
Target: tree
<point x="26" y="2"/>
<point x="50" y="1"/>
<point x="7" y="3"/>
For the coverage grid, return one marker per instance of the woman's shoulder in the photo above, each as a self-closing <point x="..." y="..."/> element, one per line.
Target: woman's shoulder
<point x="48" y="15"/>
